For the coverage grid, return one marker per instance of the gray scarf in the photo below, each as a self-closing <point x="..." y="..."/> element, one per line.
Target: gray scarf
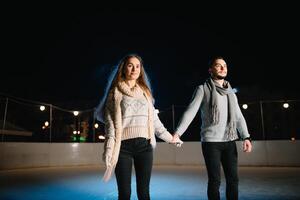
<point x="210" y="90"/>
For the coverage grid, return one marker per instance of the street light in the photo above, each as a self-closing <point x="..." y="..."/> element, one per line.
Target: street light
<point x="101" y="137"/>
<point x="42" y="108"/>
<point x="75" y="113"/>
<point x="245" y="106"/>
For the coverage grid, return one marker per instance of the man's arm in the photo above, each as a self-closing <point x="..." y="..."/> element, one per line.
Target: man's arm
<point x="241" y="122"/>
<point x="190" y="112"/>
<point x="243" y="130"/>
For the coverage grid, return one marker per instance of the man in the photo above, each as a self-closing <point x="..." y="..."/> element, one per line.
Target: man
<point x="222" y="124"/>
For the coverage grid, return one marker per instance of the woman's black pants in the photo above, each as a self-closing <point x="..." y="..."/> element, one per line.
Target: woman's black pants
<point x="137" y="151"/>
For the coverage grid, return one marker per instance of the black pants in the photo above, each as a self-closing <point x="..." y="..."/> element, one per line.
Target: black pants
<point x="138" y="151"/>
<point x="215" y="154"/>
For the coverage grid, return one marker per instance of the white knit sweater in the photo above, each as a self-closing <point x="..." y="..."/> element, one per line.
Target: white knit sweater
<point x="135" y="114"/>
<point x="129" y="113"/>
<point x="135" y="119"/>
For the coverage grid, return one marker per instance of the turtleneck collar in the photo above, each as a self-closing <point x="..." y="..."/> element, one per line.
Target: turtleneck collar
<point x="135" y="91"/>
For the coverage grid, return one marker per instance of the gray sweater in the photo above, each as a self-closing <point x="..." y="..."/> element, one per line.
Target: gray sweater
<point x="209" y="132"/>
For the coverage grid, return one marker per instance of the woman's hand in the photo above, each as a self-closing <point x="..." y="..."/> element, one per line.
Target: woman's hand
<point x="176" y="140"/>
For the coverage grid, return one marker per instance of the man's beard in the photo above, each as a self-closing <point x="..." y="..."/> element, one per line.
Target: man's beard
<point x="219" y="77"/>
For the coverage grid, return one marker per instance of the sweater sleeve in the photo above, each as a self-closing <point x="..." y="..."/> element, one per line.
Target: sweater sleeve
<point x="191" y="111"/>
<point x="108" y="117"/>
<point x="241" y="122"/>
<point x="109" y="126"/>
<point x="160" y="130"/>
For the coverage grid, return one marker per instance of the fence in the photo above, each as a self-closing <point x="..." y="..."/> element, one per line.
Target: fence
<point x="24" y="120"/>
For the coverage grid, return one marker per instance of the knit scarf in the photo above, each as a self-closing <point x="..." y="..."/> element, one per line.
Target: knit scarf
<point x="137" y="92"/>
<point x="210" y="90"/>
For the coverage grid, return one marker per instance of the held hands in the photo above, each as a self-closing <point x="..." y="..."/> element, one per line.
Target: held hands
<point x="176" y="140"/>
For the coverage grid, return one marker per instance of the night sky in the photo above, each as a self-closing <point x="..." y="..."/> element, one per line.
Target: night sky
<point x="63" y="55"/>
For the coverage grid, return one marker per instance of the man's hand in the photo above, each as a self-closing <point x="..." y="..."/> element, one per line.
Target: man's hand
<point x="176" y="140"/>
<point x="247" y="146"/>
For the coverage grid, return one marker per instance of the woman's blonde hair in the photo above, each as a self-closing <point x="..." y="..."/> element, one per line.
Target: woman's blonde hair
<point x="118" y="75"/>
<point x="142" y="81"/>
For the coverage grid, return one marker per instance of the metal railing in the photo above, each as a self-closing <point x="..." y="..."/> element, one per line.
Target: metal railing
<point x="31" y="121"/>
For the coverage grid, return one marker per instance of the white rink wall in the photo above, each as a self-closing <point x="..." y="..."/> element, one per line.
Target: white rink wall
<point x="15" y="155"/>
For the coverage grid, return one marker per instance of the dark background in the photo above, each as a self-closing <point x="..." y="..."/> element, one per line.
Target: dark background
<point x="59" y="54"/>
<point x="62" y="55"/>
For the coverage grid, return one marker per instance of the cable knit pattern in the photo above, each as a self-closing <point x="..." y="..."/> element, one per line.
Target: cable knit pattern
<point x="129" y="113"/>
<point x="135" y="117"/>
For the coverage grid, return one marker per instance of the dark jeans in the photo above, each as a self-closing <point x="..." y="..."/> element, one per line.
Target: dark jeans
<point x="215" y="154"/>
<point x="139" y="152"/>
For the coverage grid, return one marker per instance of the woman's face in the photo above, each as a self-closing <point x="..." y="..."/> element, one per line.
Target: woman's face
<point x="132" y="69"/>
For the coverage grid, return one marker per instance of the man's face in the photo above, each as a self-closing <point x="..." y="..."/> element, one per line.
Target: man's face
<point x="219" y="69"/>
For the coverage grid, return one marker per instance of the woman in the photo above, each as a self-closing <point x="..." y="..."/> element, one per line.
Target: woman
<point x="131" y="124"/>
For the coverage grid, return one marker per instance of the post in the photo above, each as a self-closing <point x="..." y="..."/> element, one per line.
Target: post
<point x="4" y="119"/>
<point x="50" y="130"/>
<point x="173" y="117"/>
<point x="262" y="119"/>
<point x="94" y="128"/>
